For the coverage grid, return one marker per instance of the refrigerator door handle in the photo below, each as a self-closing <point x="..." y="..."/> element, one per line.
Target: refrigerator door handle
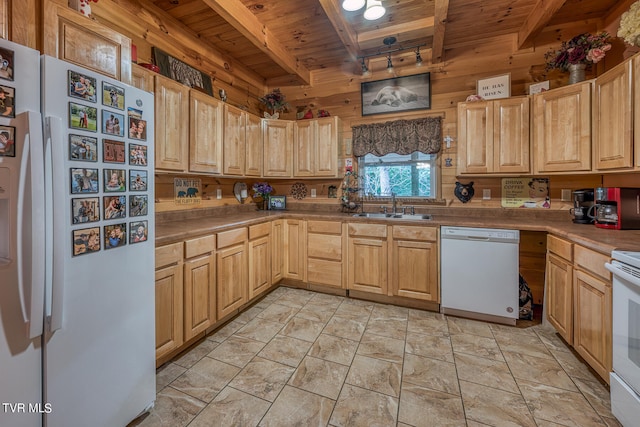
<point x="54" y="196"/>
<point x="31" y="209"/>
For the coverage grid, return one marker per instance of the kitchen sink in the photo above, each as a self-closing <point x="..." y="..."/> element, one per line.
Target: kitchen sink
<point x="393" y="216"/>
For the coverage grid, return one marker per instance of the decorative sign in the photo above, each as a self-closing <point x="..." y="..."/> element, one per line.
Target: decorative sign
<point x="539" y="87"/>
<point x="187" y="191"/>
<point x="495" y="87"/>
<point x="525" y="193"/>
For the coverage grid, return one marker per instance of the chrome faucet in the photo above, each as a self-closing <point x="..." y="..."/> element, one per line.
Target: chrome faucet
<point x="393" y="203"/>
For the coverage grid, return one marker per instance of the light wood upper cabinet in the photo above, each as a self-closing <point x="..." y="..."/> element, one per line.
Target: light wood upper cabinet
<point x="368" y="256"/>
<point x="171" y="118"/>
<point x="277" y="142"/>
<point x="494" y="136"/>
<point x="303" y="152"/>
<point x="414" y="262"/>
<point x="636" y="109"/>
<point x="70" y="36"/>
<point x="326" y="248"/>
<point x="142" y="78"/>
<point x="316" y="147"/>
<point x="232" y="271"/>
<point x="234" y="140"/>
<point x="562" y="129"/>
<point x="613" y="119"/>
<point x="205" y="133"/>
<point x="253" y="133"/>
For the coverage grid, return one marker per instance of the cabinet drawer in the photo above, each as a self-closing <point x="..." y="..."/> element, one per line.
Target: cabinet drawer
<point x="324" y="246"/>
<point x="232" y="237"/>
<point x="259" y="230"/>
<point x="406" y="232"/>
<point x="199" y="246"/>
<point x="560" y="247"/>
<point x="368" y="230"/>
<point x="169" y="254"/>
<point x="325" y="227"/>
<point x="591" y="261"/>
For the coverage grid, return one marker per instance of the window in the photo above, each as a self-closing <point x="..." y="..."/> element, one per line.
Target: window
<point x="411" y="175"/>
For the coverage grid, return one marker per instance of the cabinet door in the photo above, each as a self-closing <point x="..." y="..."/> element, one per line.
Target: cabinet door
<point x="562" y="129"/>
<point x="636" y="110"/>
<point x="277" y="250"/>
<point x="234" y="140"/>
<point x="304" y="148"/>
<point x="368" y="265"/>
<point x="511" y="135"/>
<point x="278" y="140"/>
<point x="612" y="119"/>
<point x="559" y="295"/>
<point x="253" y="146"/>
<point x="205" y="133"/>
<point x="294" y="249"/>
<point x="232" y="278"/>
<point x="169" y="309"/>
<point x="592" y="322"/>
<point x="172" y="110"/>
<point x="414" y="271"/>
<point x="142" y="78"/>
<point x="259" y="265"/>
<point x="475" y="135"/>
<point x="199" y="295"/>
<point x="328" y="133"/>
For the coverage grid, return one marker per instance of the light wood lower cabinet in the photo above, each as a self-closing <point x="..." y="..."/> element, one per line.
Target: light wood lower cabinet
<point x="169" y="299"/>
<point x="232" y="283"/>
<point x="294" y="249"/>
<point x="414" y="262"/>
<point x="199" y="286"/>
<point x="367" y="258"/>
<point x="259" y="259"/>
<point x="277" y="250"/>
<point x="326" y="248"/>
<point x="559" y="295"/>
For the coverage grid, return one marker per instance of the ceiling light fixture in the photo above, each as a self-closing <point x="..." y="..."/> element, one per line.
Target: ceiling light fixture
<point x="374" y="10"/>
<point x="389" y="65"/>
<point x="418" y="58"/>
<point x="353" y="5"/>
<point x="365" y="69"/>
<point x="389" y="41"/>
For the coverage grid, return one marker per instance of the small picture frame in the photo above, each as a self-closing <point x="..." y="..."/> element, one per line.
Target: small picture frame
<point x="539" y="87"/>
<point x="137" y="128"/>
<point x="138" y="180"/>
<point x="277" y="203"/>
<point x="113" y="151"/>
<point x="7" y="101"/>
<point x="112" y="96"/>
<point x="7" y="141"/>
<point x="138" y="231"/>
<point x="115" y="180"/>
<point x="138" y="205"/>
<point x="496" y="87"/>
<point x="137" y="155"/>
<point x="83" y="148"/>
<point x="113" y="123"/>
<point x="85" y="240"/>
<point x="115" y="235"/>
<point x="82" y="86"/>
<point x="134" y="112"/>
<point x="6" y="64"/>
<point x="84" y="180"/>
<point x="85" y="210"/>
<point x="114" y="207"/>
<point x="83" y="117"/>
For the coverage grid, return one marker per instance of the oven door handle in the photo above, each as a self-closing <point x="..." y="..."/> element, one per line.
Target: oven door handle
<point x="622" y="274"/>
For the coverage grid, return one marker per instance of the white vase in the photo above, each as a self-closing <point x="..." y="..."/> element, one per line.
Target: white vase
<point x="275" y="115"/>
<point x="576" y="73"/>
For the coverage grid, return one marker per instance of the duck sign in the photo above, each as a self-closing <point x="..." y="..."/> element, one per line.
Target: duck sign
<point x="187" y="191"/>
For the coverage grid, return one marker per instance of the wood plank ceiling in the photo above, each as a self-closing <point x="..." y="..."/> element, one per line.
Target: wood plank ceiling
<point x="284" y="41"/>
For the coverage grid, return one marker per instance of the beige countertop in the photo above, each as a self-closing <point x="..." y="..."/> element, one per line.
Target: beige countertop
<point x="601" y="240"/>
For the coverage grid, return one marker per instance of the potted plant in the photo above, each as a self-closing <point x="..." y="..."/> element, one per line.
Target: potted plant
<point x="261" y="191"/>
<point x="275" y="103"/>
<point x="579" y="52"/>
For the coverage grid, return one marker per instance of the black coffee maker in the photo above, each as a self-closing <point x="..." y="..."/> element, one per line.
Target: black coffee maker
<point x="582" y="202"/>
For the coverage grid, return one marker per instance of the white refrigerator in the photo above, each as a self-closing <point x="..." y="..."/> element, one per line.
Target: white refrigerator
<point x="77" y="333"/>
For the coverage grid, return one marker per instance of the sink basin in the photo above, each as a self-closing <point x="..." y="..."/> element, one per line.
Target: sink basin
<point x="392" y="216"/>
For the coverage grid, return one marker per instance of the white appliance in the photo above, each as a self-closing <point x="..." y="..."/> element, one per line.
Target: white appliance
<point x="479" y="273"/>
<point x="76" y="247"/>
<point x="625" y="378"/>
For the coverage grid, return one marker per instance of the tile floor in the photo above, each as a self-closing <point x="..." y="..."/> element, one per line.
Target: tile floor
<point x="309" y="359"/>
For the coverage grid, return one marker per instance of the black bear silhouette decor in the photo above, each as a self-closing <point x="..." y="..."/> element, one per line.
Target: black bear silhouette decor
<point x="464" y="192"/>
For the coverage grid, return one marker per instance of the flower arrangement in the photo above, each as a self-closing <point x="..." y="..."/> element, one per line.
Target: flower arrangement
<point x="262" y="189"/>
<point x="582" y="49"/>
<point x="630" y="25"/>
<point x="275" y="101"/>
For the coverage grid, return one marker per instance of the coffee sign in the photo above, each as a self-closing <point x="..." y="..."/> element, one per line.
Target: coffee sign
<point x="495" y="87"/>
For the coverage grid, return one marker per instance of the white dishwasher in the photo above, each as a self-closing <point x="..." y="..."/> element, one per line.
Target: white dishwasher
<point x="479" y="273"/>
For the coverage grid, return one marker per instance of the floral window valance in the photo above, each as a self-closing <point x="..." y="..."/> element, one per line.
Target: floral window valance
<point x="399" y="136"/>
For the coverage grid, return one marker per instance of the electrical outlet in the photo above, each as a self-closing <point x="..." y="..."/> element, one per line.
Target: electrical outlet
<point x="566" y="195"/>
<point x="486" y="194"/>
<point x="218" y="193"/>
<point x="313" y="192"/>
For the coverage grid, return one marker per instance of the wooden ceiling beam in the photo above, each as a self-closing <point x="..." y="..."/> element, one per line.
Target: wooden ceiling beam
<point x="425" y="24"/>
<point x="440" y="22"/>
<point x="339" y="23"/>
<point x="241" y="18"/>
<point x="540" y="15"/>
